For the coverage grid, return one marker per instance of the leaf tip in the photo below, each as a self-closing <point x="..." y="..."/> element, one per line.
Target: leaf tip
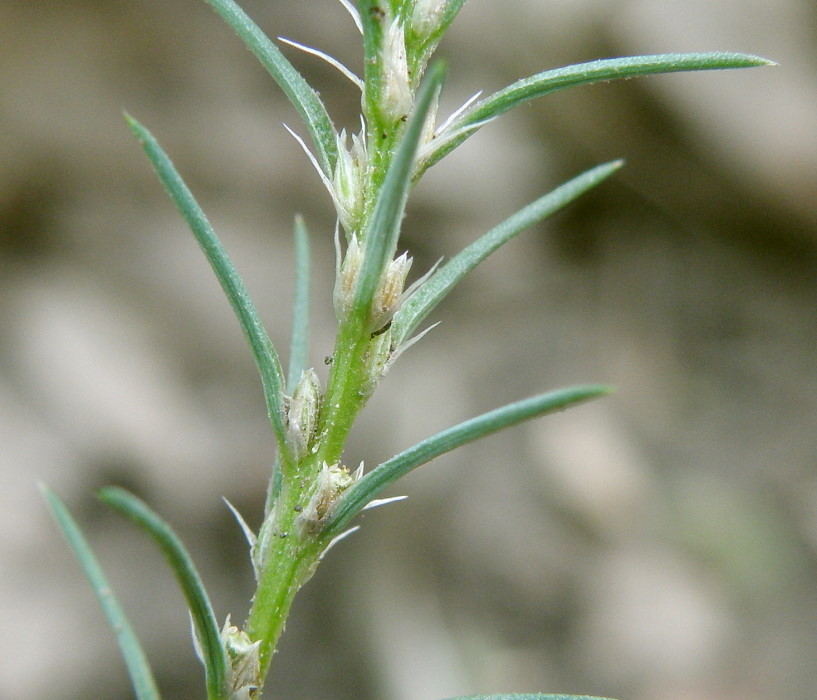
<point x="761" y="61"/>
<point x="112" y="495"/>
<point x="136" y="128"/>
<point x="749" y="60"/>
<point x="52" y="500"/>
<point x="104" y="492"/>
<point x="131" y="122"/>
<point x="605" y="170"/>
<point x="590" y="392"/>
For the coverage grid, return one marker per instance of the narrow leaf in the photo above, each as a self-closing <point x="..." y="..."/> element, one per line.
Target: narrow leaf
<point x="584" y="74"/>
<point x="144" y="684"/>
<point x="302" y="96"/>
<point x="426" y="298"/>
<point x="204" y="620"/>
<point x="370" y="485"/>
<point x="269" y="366"/>
<point x="299" y="347"/>
<point x="384" y="226"/>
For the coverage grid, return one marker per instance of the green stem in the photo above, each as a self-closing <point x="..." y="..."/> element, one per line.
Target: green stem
<point x="345" y="395"/>
<point x="290" y="553"/>
<point x="291" y="562"/>
<point x="381" y="146"/>
<point x="290" y="558"/>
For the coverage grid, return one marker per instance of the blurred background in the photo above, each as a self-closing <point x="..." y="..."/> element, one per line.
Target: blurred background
<point x="660" y="544"/>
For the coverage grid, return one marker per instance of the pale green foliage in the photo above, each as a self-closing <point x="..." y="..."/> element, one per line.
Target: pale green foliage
<point x="312" y="495"/>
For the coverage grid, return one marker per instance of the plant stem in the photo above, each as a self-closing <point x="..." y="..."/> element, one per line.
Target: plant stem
<point x="344" y="394"/>
<point x="291" y="562"/>
<point x="290" y="558"/>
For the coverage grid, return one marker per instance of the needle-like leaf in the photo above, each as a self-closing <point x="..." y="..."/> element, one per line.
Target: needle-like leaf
<point x="370" y="485"/>
<point x="384" y="227"/>
<point x="584" y="74"/>
<point x="144" y="685"/>
<point x="425" y="299"/>
<point x="204" y="620"/>
<point x="266" y="358"/>
<point x="299" y="92"/>
<point x="141" y="675"/>
<point x="299" y="348"/>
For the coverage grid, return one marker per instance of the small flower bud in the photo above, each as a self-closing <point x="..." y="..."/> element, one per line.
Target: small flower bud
<point x="331" y="482"/>
<point x="242" y="655"/>
<point x="347" y="276"/>
<point x="348" y="180"/>
<point x="397" y="97"/>
<point x="389" y="294"/>
<point x="429" y="126"/>
<point x="377" y="359"/>
<point x="426" y="16"/>
<point x="260" y="550"/>
<point x="302" y="414"/>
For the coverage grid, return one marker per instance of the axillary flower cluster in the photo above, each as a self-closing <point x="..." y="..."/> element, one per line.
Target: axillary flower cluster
<point x="312" y="496"/>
